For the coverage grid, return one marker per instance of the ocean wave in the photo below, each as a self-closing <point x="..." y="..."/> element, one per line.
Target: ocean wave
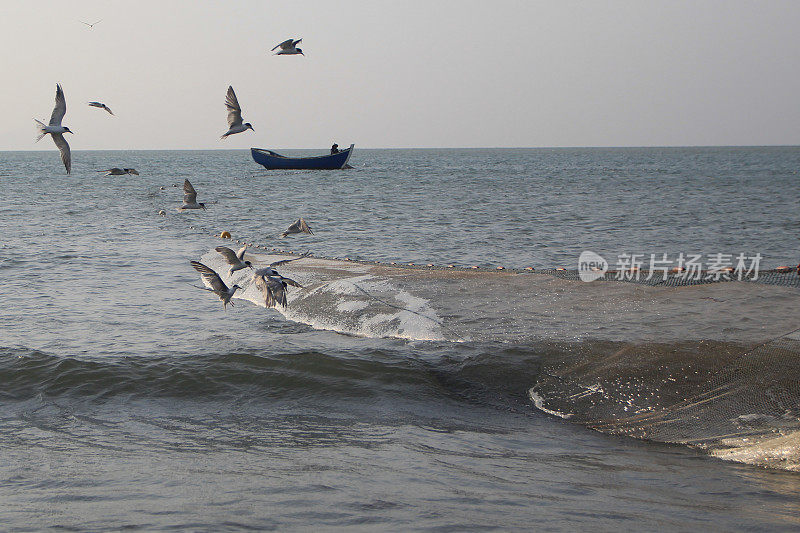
<point x="261" y="375"/>
<point x="738" y="402"/>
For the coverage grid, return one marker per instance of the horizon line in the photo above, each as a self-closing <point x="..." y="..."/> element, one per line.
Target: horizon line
<point x="554" y="147"/>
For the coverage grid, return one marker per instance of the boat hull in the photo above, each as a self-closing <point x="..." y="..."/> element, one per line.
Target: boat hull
<point x="272" y="160"/>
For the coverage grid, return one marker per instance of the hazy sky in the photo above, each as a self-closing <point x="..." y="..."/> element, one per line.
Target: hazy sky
<point x="405" y="73"/>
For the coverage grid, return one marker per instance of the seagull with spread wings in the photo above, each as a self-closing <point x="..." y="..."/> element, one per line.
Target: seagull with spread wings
<point x="92" y="24"/>
<point x="56" y="130"/>
<point x="269" y="270"/>
<point x="299" y="226"/>
<point x="214" y="283"/>
<point x="190" y="197"/>
<point x="272" y="285"/>
<point x="235" y="259"/>
<point x="119" y="171"/>
<point x="101" y="105"/>
<point x="273" y="289"/>
<point x="288" y="48"/>
<point x="234" y="115"/>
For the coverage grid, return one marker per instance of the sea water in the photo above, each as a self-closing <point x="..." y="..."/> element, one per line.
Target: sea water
<point x="386" y="396"/>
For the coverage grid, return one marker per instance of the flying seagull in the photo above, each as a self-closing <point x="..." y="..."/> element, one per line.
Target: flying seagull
<point x="299" y="226"/>
<point x="56" y="130"/>
<point x="273" y="289"/>
<point x="288" y="48"/>
<point x="270" y="269"/>
<point x="215" y="284"/>
<point x="234" y="115"/>
<point x="101" y="106"/>
<point x="119" y="171"/>
<point x="92" y="24"/>
<point x="235" y="259"/>
<point x="190" y="197"/>
<point x="273" y="285"/>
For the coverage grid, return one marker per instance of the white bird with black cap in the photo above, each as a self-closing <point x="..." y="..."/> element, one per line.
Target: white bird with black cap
<point x="288" y="48"/>
<point x="56" y="130"/>
<point x="235" y="124"/>
<point x="213" y="283"/>
<point x="235" y="259"/>
<point x="101" y="105"/>
<point x="190" y="197"/>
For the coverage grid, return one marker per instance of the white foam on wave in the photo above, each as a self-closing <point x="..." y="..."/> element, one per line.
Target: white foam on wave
<point x="365" y="306"/>
<point x="782" y="451"/>
<point x="342" y="286"/>
<point x="538" y="401"/>
<point x="351" y="307"/>
<point x="362" y="304"/>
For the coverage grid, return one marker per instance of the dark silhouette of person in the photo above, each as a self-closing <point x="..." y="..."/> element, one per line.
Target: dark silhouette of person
<point x="334" y="149"/>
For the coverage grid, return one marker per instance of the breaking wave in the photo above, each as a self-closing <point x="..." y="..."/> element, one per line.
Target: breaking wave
<point x="715" y="366"/>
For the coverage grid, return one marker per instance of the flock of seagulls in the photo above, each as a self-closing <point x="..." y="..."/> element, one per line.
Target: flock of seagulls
<point x="270" y="282"/>
<point x="272" y="285"/>
<point x="235" y="122"/>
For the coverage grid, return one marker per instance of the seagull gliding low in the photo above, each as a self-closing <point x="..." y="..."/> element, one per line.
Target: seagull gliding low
<point x="190" y="197"/>
<point x="215" y="284"/>
<point x="299" y="226"/>
<point x="235" y="259"/>
<point x="119" y="171"/>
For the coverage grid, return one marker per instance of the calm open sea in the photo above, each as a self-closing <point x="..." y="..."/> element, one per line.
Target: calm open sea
<point x="389" y="398"/>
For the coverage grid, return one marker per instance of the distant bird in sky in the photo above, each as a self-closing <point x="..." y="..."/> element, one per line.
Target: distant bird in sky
<point x="190" y="197"/>
<point x="56" y="130"/>
<point x="101" y="106"/>
<point x="214" y="283"/>
<point x="92" y="24"/>
<point x="235" y="259"/>
<point x="299" y="226"/>
<point x="119" y="171"/>
<point x="234" y="115"/>
<point x="288" y="47"/>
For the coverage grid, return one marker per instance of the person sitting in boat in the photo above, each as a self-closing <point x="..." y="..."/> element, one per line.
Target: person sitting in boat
<point x="334" y="149"/>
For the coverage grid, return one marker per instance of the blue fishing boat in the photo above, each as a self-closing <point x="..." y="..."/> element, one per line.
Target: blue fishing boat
<point x="273" y="160"/>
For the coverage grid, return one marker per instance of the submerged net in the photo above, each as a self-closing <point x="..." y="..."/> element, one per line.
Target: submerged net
<point x="737" y="395"/>
<point x="789" y="278"/>
<point x="729" y="399"/>
<point x="739" y="401"/>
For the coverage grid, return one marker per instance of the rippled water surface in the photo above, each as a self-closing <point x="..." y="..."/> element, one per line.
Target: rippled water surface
<point x="382" y="397"/>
